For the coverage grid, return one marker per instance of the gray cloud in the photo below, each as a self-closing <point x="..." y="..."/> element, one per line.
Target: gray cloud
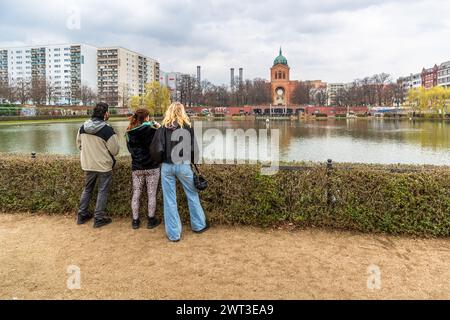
<point x="325" y="39"/>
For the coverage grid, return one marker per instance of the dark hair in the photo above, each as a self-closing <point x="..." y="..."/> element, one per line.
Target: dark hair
<point x="138" y="118"/>
<point x="100" y="110"/>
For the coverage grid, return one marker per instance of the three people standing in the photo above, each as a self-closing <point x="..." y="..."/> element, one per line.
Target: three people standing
<point x="173" y="145"/>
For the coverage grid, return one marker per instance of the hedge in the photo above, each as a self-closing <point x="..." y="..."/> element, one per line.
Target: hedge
<point x="413" y="200"/>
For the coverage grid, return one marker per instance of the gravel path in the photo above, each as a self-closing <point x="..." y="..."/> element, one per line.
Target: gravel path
<point x="224" y="263"/>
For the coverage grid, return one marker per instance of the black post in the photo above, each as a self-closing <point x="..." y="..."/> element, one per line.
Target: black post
<point x="328" y="185"/>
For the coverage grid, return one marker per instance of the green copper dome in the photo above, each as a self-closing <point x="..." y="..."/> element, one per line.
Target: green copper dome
<point x="280" y="59"/>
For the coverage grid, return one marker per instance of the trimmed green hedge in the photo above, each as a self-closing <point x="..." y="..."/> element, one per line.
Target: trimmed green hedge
<point x="370" y="198"/>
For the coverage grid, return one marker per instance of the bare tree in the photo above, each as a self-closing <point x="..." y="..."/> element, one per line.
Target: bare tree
<point x="50" y="93"/>
<point x="300" y="94"/>
<point x="318" y="96"/>
<point x="38" y="91"/>
<point x="87" y="95"/>
<point x="188" y="86"/>
<point x="23" y="90"/>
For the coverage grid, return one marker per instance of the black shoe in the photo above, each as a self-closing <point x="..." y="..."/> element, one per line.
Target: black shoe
<point x="203" y="230"/>
<point x="153" y="223"/>
<point x="83" y="218"/>
<point x="102" y="222"/>
<point x="136" y="224"/>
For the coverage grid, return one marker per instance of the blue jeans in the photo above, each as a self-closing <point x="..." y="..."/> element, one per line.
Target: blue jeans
<point x="169" y="175"/>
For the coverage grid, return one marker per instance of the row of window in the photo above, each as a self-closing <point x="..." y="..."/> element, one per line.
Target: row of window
<point x="280" y="75"/>
<point x="444" y="80"/>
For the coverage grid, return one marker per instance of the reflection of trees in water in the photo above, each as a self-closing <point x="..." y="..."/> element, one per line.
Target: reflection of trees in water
<point x="429" y="134"/>
<point x="60" y="138"/>
<point x="435" y="135"/>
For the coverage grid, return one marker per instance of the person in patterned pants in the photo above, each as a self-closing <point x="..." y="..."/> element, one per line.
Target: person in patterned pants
<point x="146" y="171"/>
<point x="141" y="178"/>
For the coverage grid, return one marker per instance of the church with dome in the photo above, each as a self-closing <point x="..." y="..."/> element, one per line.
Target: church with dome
<point x="281" y="85"/>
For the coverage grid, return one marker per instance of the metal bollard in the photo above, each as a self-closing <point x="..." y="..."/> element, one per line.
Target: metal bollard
<point x="329" y="164"/>
<point x="328" y="184"/>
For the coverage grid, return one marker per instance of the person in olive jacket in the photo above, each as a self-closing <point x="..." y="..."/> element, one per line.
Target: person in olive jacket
<point x="146" y="171"/>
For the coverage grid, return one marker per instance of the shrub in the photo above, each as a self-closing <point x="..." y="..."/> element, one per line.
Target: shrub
<point x="412" y="200"/>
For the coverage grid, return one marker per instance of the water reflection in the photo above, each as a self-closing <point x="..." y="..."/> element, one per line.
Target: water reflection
<point x="371" y="141"/>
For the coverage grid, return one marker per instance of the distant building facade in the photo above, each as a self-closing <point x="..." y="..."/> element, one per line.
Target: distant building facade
<point x="114" y="73"/>
<point x="444" y="74"/>
<point x="65" y="69"/>
<point x="281" y="85"/>
<point x="333" y="91"/>
<point x="173" y="81"/>
<point x="123" y="73"/>
<point x="430" y="77"/>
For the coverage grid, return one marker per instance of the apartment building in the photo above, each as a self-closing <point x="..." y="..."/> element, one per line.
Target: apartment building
<point x="332" y="91"/>
<point x="443" y="74"/>
<point x="410" y="82"/>
<point x="430" y="77"/>
<point x="122" y="74"/>
<point x="173" y="81"/>
<point x="65" y="69"/>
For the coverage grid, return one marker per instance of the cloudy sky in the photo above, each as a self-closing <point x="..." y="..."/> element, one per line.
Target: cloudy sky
<point x="331" y="40"/>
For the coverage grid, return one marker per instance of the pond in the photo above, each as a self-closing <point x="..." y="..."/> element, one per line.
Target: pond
<point x="351" y="140"/>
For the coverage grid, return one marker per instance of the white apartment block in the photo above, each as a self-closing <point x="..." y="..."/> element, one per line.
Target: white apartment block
<point x="123" y="73"/>
<point x="444" y="74"/>
<point x="65" y="68"/>
<point x="172" y="80"/>
<point x="332" y="91"/>
<point x="410" y="82"/>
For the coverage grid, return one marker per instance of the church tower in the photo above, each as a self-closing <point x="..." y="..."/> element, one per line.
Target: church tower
<point x="280" y="81"/>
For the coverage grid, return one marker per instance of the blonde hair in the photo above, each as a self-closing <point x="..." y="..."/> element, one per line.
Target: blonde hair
<point x="176" y="114"/>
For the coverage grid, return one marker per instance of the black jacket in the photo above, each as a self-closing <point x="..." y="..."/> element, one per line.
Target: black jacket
<point x="163" y="148"/>
<point x="138" y="143"/>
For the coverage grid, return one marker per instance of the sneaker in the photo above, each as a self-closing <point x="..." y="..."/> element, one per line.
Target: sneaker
<point x="203" y="230"/>
<point x="153" y="223"/>
<point x="136" y="224"/>
<point x="101" y="222"/>
<point x="83" y="218"/>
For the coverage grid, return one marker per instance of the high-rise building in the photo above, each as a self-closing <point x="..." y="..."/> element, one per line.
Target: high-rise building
<point x="123" y="73"/>
<point x="65" y="69"/>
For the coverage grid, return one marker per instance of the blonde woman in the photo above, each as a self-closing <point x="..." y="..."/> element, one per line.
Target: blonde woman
<point x="174" y="145"/>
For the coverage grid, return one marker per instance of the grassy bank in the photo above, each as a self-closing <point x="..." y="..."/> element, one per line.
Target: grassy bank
<point x="370" y="198"/>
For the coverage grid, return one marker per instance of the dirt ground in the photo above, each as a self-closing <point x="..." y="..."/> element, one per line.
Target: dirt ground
<point x="224" y="263"/>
